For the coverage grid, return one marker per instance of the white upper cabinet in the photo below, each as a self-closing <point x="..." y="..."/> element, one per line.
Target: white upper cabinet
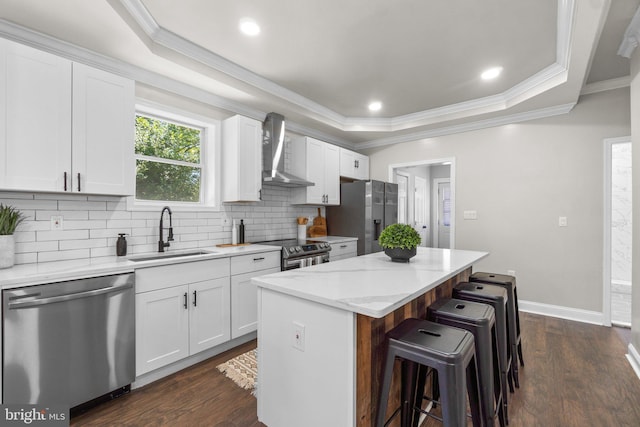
<point x="241" y="159"/>
<point x="103" y="132"/>
<point x="318" y="162"/>
<point x="63" y="126"/>
<point x="35" y="119"/>
<point x="354" y="165"/>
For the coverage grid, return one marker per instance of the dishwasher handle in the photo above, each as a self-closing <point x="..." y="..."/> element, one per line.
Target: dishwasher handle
<point x="68" y="297"/>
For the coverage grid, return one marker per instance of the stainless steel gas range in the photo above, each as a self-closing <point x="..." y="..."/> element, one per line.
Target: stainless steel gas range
<point x="301" y="253"/>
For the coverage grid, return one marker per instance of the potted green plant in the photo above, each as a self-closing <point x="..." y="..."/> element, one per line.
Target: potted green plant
<point x="399" y="242"/>
<point x="10" y="218"/>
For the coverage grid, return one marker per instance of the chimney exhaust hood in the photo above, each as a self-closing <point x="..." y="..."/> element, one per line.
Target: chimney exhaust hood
<point x="273" y="154"/>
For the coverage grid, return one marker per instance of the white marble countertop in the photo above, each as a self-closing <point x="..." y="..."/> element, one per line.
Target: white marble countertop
<point x="372" y="284"/>
<point x="49" y="272"/>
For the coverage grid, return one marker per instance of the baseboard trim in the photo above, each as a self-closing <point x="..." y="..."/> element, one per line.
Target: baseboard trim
<point x="634" y="359"/>
<point x="568" y="313"/>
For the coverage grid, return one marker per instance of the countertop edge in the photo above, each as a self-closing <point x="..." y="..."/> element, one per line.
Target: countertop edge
<point x="58" y="271"/>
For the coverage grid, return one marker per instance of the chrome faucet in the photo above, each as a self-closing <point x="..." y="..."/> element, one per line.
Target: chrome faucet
<point x="161" y="243"/>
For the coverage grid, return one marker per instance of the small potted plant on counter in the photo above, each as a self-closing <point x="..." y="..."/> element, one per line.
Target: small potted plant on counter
<point x="10" y="218"/>
<point x="399" y="242"/>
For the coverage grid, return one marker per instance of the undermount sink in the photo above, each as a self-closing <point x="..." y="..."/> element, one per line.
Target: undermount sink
<point x="164" y="255"/>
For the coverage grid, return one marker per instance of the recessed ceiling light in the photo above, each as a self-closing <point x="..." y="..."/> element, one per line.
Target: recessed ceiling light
<point x="249" y="27"/>
<point x="491" y="73"/>
<point x="375" y="106"/>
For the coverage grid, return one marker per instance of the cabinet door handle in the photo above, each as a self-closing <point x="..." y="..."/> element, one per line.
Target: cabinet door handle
<point x="65" y="181"/>
<point x="260" y="194"/>
<point x="259" y="259"/>
<point x="343" y="246"/>
<point x="195" y="298"/>
<point x="185" y="301"/>
<point x="79" y="182"/>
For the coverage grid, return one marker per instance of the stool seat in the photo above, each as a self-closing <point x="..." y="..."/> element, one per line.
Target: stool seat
<point x="479" y="319"/>
<point x="449" y="351"/>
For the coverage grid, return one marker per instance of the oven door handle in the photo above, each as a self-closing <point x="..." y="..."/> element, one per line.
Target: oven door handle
<point x="67" y="297"/>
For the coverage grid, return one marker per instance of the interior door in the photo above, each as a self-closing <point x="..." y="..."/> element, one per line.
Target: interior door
<point x="444" y="214"/>
<point x="420" y="208"/>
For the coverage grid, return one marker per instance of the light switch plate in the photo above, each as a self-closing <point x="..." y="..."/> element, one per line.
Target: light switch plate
<point x="298" y="335"/>
<point x="562" y="221"/>
<point x="470" y="214"/>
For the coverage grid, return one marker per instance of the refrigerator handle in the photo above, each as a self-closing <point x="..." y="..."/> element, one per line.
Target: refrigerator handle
<point x="377" y="225"/>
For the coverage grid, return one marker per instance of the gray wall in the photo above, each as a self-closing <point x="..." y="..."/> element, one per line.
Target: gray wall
<point x="520" y="178"/>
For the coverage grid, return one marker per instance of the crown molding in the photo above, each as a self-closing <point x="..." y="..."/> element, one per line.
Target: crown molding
<point x="606" y="85"/>
<point x="553" y="75"/>
<point x="471" y="126"/>
<point x="631" y="36"/>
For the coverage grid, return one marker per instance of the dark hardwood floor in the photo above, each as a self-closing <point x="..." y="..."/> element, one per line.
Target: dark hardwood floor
<point x="575" y="375"/>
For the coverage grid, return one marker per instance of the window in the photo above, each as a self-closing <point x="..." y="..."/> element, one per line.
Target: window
<point x="173" y="162"/>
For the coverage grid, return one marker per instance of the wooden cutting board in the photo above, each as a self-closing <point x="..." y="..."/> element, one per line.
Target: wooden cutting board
<point x="319" y="227"/>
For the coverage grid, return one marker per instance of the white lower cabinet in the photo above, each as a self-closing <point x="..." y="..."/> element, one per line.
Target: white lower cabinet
<point x="244" y="294"/>
<point x="181" y="309"/>
<point x="343" y="250"/>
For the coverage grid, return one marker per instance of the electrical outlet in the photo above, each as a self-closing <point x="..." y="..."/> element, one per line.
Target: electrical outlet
<point x="225" y="221"/>
<point x="298" y="336"/>
<point x="562" y="221"/>
<point x="470" y="215"/>
<point x="57" y="222"/>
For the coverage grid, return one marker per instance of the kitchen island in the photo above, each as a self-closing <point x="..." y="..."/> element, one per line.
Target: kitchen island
<point x="321" y="332"/>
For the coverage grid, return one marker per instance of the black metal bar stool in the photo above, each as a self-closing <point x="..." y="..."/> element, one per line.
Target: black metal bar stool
<point x="451" y="352"/>
<point x="496" y="297"/>
<point x="509" y="283"/>
<point x="479" y="319"/>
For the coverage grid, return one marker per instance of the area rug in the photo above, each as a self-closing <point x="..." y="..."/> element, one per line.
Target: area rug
<point x="242" y="369"/>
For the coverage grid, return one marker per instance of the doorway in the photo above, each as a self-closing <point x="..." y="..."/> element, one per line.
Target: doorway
<point x="421" y="206"/>
<point x="617" y="232"/>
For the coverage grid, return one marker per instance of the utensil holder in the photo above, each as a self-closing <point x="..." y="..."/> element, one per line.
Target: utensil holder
<point x="302" y="232"/>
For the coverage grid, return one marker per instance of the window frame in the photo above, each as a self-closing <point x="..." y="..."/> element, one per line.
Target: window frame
<point x="210" y="159"/>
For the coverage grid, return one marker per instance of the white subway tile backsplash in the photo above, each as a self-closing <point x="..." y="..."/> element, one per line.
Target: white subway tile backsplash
<point x="63" y="255"/>
<point x="91" y="224"/>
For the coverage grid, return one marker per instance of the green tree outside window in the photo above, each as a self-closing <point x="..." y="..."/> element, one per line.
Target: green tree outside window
<point x="168" y="161"/>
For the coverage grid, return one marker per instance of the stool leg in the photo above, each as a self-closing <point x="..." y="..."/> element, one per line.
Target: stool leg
<point x="512" y="337"/>
<point x="384" y="389"/>
<point x="408" y="392"/>
<point x="419" y="394"/>
<point x="473" y="391"/>
<point x="515" y="300"/>
<point x="498" y="388"/>
<point x="453" y="401"/>
<point x="501" y="377"/>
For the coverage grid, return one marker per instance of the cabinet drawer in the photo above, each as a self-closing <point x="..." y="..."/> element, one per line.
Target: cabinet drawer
<point x="343" y="250"/>
<point x="255" y="262"/>
<point x="165" y="276"/>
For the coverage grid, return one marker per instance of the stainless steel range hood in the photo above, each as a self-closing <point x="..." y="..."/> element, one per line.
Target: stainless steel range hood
<point x="273" y="154"/>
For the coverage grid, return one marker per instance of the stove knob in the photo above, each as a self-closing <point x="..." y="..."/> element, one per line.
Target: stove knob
<point x="298" y="248"/>
<point x="292" y="249"/>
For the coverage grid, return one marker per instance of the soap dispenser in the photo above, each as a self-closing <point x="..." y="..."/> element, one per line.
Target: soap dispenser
<point x="121" y="245"/>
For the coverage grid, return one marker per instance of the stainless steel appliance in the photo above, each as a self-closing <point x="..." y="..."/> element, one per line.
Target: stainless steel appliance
<point x="273" y="154"/>
<point x="301" y="253"/>
<point x="70" y="342"/>
<point x="366" y="208"/>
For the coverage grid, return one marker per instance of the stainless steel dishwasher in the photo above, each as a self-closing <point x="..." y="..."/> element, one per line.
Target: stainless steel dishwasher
<point x="70" y="342"/>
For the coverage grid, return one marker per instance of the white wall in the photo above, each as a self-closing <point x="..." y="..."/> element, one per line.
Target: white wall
<point x="635" y="144"/>
<point x="520" y="178"/>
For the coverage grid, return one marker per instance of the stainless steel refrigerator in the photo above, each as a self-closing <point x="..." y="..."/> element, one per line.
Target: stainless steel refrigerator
<point x="366" y="208"/>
